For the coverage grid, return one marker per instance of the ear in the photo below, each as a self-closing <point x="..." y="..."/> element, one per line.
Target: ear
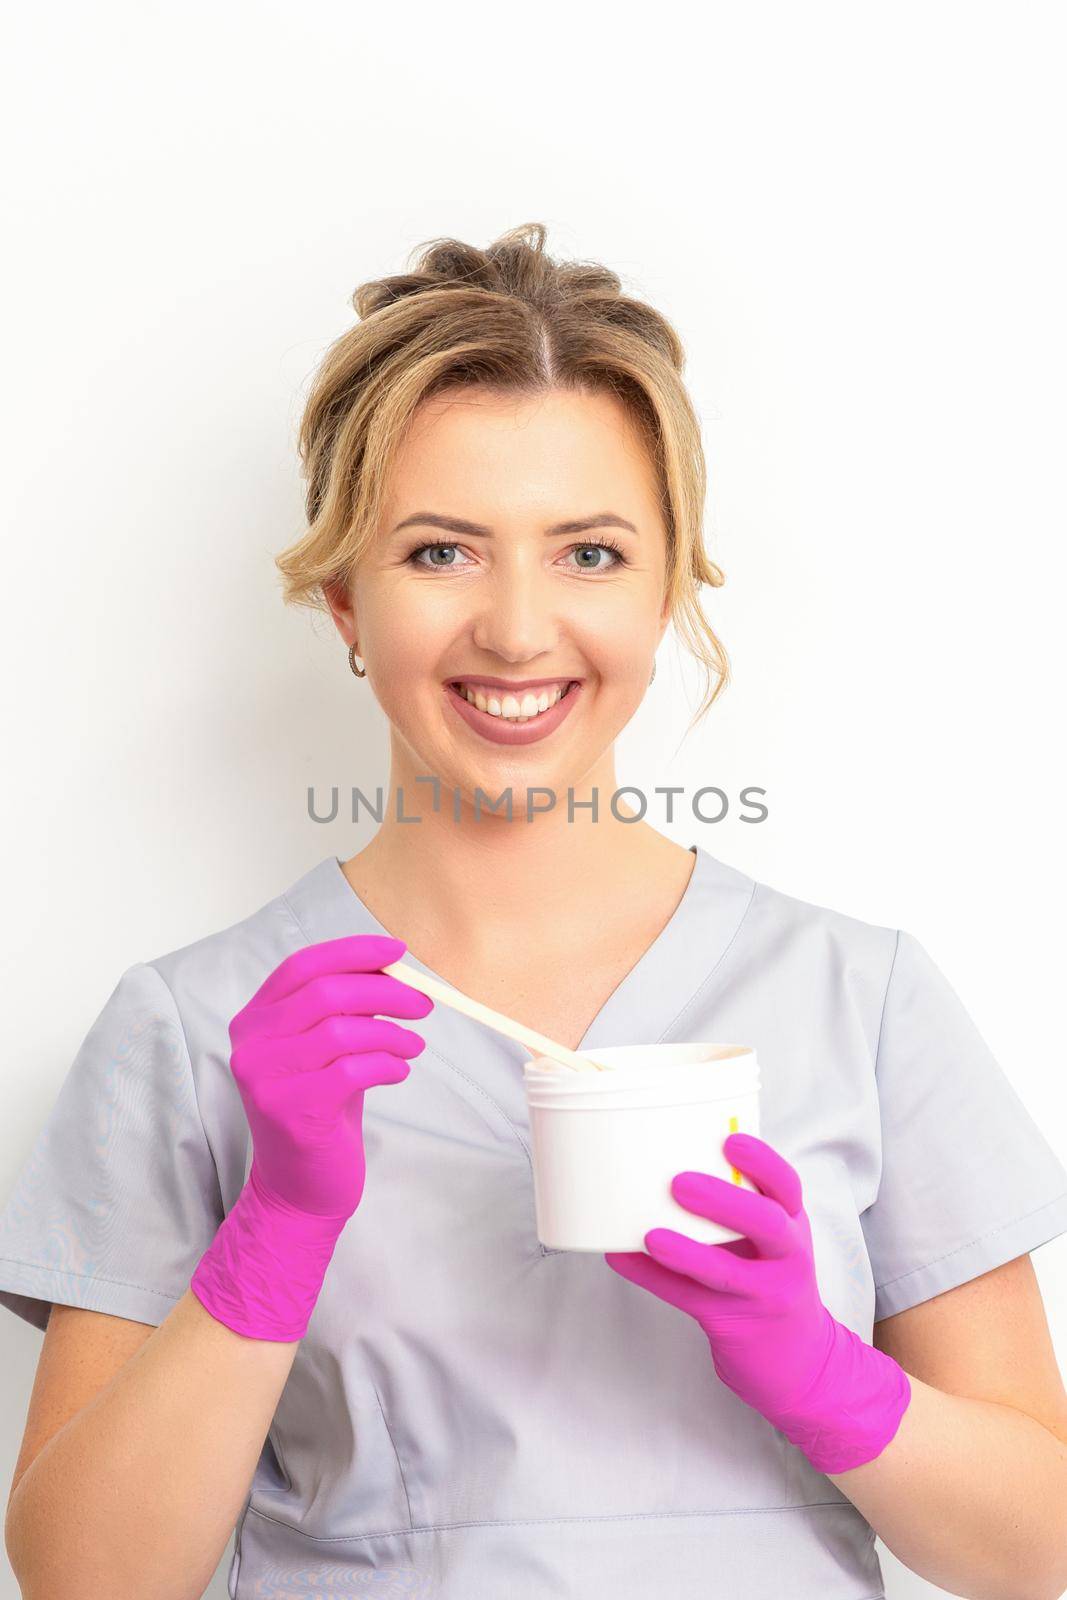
<point x="341" y="609"/>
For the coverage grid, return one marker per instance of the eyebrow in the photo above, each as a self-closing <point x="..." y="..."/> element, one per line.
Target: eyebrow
<point x="603" y="519"/>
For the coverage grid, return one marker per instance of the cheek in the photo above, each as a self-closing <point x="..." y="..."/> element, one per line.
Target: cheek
<point x="621" y="625"/>
<point x="408" y="634"/>
<point x="621" y="658"/>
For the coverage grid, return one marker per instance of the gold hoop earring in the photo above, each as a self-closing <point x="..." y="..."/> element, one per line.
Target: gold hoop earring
<point x="352" y="662"/>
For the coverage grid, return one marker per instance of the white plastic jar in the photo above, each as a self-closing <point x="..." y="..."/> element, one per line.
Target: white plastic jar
<point x="606" y="1145"/>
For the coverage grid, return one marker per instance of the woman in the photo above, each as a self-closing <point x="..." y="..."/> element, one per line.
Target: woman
<point x="341" y="1301"/>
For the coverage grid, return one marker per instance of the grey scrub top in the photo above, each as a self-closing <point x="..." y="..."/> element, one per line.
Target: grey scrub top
<point x="471" y="1414"/>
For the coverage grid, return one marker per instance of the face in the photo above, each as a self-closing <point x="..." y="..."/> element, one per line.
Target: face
<point x="491" y="579"/>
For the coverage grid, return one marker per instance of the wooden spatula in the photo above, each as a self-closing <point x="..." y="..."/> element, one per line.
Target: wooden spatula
<point x="535" y="1042"/>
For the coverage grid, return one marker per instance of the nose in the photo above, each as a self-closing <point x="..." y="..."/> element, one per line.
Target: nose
<point x="518" y="615"/>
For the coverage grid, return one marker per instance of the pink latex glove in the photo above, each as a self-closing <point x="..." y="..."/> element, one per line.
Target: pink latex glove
<point x="773" y="1342"/>
<point x="305" y="1048"/>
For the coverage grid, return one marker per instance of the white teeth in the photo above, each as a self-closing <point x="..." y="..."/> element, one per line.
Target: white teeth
<point x="508" y="706"/>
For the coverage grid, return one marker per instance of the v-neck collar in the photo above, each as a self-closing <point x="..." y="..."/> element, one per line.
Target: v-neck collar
<point x="648" y="1005"/>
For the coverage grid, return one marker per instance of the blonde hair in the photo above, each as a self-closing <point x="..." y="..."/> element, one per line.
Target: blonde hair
<point x="508" y="318"/>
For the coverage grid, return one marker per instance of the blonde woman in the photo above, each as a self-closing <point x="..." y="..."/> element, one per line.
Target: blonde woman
<point x="277" y="1306"/>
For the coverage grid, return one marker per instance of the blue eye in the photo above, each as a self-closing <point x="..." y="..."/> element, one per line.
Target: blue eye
<point x="420" y="548"/>
<point x="603" y="544"/>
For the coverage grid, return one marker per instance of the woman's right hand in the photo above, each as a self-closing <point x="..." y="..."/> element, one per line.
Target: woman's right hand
<point x="305" y="1049"/>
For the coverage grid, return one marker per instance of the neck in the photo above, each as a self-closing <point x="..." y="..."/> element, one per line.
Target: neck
<point x="474" y="880"/>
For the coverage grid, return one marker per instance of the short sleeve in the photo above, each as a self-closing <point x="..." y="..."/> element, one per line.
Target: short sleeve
<point x="119" y="1197"/>
<point x="968" y="1179"/>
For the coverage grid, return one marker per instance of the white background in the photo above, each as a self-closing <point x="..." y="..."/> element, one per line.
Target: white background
<point x="853" y="215"/>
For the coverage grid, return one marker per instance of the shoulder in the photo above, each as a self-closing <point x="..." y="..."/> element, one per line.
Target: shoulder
<point x="807" y="935"/>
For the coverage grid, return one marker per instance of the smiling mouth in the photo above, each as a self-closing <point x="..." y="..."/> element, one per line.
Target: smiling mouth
<point x="487" y="694"/>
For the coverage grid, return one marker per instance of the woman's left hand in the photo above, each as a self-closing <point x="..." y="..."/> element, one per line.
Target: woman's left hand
<point x="773" y="1342"/>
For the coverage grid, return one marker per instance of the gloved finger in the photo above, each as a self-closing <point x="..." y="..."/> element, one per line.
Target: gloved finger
<point x="770" y="1171"/>
<point x="763" y="1220"/>
<point x="315" y="1049"/>
<point x="308" y="1104"/>
<point x="708" y="1264"/>
<point x="673" y="1287"/>
<point x="337" y="1083"/>
<point x="290" y="1020"/>
<point x="357" y="952"/>
<point x="335" y="993"/>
